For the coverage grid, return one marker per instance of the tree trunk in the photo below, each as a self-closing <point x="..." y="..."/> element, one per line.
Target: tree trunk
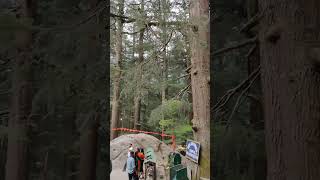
<point x="89" y="129"/>
<point x="290" y="47"/>
<point x="115" y="114"/>
<point x="137" y="108"/>
<point x="21" y="100"/>
<point x="137" y="98"/>
<point x="131" y="112"/>
<point x="88" y="149"/>
<point x="133" y="42"/>
<point x="200" y="79"/>
<point x="69" y="131"/>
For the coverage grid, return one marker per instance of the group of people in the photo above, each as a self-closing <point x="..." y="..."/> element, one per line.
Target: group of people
<point x="134" y="164"/>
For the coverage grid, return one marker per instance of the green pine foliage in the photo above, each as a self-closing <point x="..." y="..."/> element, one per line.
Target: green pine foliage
<point x="172" y="117"/>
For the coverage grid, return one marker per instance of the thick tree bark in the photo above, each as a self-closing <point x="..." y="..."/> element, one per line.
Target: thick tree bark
<point x="290" y="47"/>
<point x="21" y="102"/>
<point x="115" y="114"/>
<point x="89" y="131"/>
<point x="200" y="79"/>
<point x="137" y="98"/>
<point x="69" y="131"/>
<point x="88" y="149"/>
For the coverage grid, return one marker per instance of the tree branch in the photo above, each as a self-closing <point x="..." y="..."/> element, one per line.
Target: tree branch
<point x="131" y="33"/>
<point x="238" y="102"/>
<point x="4" y="93"/>
<point x="99" y="8"/>
<point x="254" y="98"/>
<point x="236" y="46"/>
<point x="251" y="51"/>
<point x="225" y="99"/>
<point x="124" y="19"/>
<point x="185" y="75"/>
<point x="4" y="112"/>
<point x="127" y="19"/>
<point x="161" y="50"/>
<point x="5" y="62"/>
<point x="182" y="91"/>
<point x="188" y="69"/>
<point x="251" y="23"/>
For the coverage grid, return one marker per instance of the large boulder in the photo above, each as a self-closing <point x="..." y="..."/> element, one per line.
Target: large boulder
<point x="119" y="150"/>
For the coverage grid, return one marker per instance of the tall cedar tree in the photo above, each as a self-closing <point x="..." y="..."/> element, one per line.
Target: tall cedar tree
<point x="89" y="134"/>
<point x="289" y="39"/>
<point x="115" y="115"/>
<point x="89" y="148"/>
<point x="200" y="79"/>
<point x="21" y="99"/>
<point x="137" y="98"/>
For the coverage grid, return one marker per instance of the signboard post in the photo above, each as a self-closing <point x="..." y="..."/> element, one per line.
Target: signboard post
<point x="150" y="164"/>
<point x="193" y="150"/>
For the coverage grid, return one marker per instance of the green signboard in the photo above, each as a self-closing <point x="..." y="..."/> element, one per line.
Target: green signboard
<point x="150" y="155"/>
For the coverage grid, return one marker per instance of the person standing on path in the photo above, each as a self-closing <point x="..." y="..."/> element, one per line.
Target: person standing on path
<point x="131" y="166"/>
<point x="125" y="165"/>
<point x="139" y="157"/>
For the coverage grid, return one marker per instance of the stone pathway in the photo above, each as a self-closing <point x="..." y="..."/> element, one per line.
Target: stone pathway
<point x="118" y="174"/>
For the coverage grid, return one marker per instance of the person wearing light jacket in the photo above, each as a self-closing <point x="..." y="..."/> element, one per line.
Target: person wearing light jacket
<point x="129" y="151"/>
<point x="131" y="166"/>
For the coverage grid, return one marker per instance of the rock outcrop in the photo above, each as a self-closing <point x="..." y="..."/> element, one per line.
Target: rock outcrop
<point x="119" y="151"/>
